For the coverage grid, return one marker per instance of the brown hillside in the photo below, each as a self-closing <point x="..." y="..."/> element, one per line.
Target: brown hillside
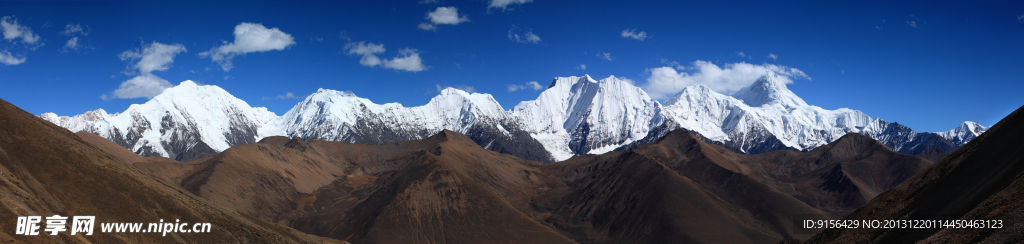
<point x="441" y="189"/>
<point x="630" y="198"/>
<point x="47" y="170"/>
<point x="166" y="168"/>
<point x="980" y="181"/>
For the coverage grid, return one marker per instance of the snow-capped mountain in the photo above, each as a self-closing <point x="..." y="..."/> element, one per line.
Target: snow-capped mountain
<point x="764" y="116"/>
<point x="341" y="116"/>
<point x="579" y="115"/>
<point x="574" y="116"/>
<point x="963" y="133"/>
<point x="184" y="122"/>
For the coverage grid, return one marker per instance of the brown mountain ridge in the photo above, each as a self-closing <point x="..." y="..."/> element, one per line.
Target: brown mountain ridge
<point x="46" y="170"/>
<point x="447" y="189"/>
<point x="983" y="180"/>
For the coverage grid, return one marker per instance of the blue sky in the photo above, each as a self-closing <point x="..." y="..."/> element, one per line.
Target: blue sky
<point x="926" y="64"/>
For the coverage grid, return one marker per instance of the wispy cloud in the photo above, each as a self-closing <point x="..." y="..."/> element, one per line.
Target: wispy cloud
<point x="74" y="29"/>
<point x="528" y="37"/>
<point x="667" y="81"/>
<point x="249" y="38"/>
<point x="505" y="5"/>
<point x="607" y="56"/>
<point x="915" y="22"/>
<point x="632" y="34"/>
<point x="9" y="59"/>
<point x="773" y="56"/>
<point x="13" y="31"/>
<point x="153" y="57"/>
<point x="408" y="60"/>
<point x="443" y="16"/>
<point x="582" y="67"/>
<point x="531" y="85"/>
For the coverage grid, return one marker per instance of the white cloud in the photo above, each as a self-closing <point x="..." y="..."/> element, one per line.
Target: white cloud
<point x="632" y="34"/>
<point x="912" y="23"/>
<point x="531" y="85"/>
<point x="665" y="82"/>
<point x="145" y="85"/>
<point x="73" y="29"/>
<point x="9" y="59"/>
<point x="443" y="16"/>
<point x="427" y="26"/>
<point x="287" y="95"/>
<point x="367" y="50"/>
<point x="427" y="1"/>
<point x="582" y="67"/>
<point x="607" y="56"/>
<point x="673" y="63"/>
<point x="504" y="4"/>
<point x="72" y="44"/>
<point x="408" y="60"/>
<point x="1020" y="17"/>
<point x="14" y="31"/>
<point x="741" y="54"/>
<point x="154" y="57"/>
<point x="249" y="38"/>
<point x="773" y="56"/>
<point x="529" y="37"/>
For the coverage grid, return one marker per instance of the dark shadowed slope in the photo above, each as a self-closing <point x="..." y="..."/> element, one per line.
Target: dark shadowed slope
<point x="718" y="172"/>
<point x="445" y="188"/>
<point x="934" y="155"/>
<point x="47" y="170"/>
<point x="626" y="197"/>
<point x="836" y="178"/>
<point x="980" y="181"/>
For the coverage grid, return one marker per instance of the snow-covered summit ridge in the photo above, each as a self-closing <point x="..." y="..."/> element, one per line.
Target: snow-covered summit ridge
<point x="963" y="133"/>
<point x="575" y="115"/>
<point x="580" y="115"/>
<point x="175" y="121"/>
<point x="769" y="89"/>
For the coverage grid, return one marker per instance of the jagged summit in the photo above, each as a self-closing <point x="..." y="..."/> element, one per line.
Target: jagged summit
<point x="576" y="115"/>
<point x="579" y="115"/>
<point x="769" y="89"/>
<point x="963" y="133"/>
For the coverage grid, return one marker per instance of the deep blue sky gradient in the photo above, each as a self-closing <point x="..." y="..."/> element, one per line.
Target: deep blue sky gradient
<point x="963" y="61"/>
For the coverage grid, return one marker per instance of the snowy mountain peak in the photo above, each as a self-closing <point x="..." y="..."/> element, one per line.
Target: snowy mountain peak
<point x="963" y="133"/>
<point x="188" y="83"/>
<point x="580" y="115"/>
<point x="588" y="78"/>
<point x="769" y="89"/>
<point x="698" y="91"/>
